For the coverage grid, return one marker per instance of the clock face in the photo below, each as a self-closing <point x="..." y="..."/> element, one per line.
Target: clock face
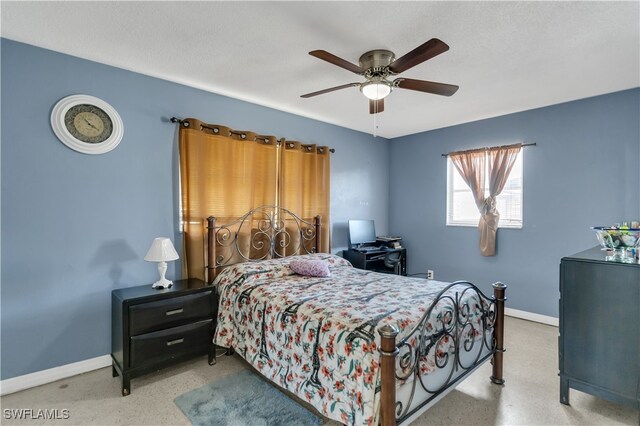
<point x="88" y="123"/>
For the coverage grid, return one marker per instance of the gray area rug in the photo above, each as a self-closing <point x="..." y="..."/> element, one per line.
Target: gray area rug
<point x="243" y="399"/>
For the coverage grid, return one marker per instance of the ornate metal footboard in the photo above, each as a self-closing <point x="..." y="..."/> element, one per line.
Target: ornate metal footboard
<point x="461" y="329"/>
<point x="266" y="232"/>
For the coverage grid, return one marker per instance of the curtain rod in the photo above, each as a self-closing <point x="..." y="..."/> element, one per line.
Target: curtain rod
<point x="179" y="120"/>
<point x="486" y="148"/>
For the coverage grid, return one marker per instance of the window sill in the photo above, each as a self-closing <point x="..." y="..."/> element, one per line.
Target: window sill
<point x="468" y="225"/>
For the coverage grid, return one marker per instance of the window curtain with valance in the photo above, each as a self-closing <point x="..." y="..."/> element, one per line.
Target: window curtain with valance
<point x="225" y="173"/>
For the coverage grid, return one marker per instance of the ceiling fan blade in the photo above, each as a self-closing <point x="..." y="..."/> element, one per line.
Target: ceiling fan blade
<point x="426" y="51"/>
<point x="376" y="106"/>
<point x="333" y="59"/>
<point x="331" y="89"/>
<point x="426" y="86"/>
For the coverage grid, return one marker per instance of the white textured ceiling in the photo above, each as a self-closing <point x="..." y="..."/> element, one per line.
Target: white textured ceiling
<point x="505" y="56"/>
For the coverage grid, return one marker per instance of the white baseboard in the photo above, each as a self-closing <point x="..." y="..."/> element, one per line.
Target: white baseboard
<point x="38" y="378"/>
<point x="530" y="316"/>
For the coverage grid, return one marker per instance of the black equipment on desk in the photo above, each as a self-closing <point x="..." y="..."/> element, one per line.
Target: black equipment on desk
<point x="368" y="251"/>
<point x="389" y="242"/>
<point x="362" y="233"/>
<point x="362" y="236"/>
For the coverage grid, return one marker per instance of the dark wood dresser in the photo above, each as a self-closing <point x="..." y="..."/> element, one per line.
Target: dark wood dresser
<point x="599" y="343"/>
<point x="154" y="328"/>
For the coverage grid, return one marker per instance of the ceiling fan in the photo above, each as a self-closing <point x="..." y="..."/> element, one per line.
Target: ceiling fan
<point x="377" y="65"/>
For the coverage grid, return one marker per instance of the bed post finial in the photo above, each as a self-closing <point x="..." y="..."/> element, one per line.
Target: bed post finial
<point x="498" y="333"/>
<point x="211" y="249"/>
<point x="388" y="352"/>
<point x="317" y="223"/>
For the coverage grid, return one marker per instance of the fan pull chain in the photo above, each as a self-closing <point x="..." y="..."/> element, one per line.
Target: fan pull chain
<point x="375" y="121"/>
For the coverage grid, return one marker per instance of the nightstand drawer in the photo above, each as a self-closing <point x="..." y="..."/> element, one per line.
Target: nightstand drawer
<point x="147" y="317"/>
<point x="164" y="344"/>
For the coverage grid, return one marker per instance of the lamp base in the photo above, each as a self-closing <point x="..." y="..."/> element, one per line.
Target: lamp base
<point x="162" y="283"/>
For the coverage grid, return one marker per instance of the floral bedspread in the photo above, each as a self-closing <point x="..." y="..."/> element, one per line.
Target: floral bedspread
<point x="317" y="337"/>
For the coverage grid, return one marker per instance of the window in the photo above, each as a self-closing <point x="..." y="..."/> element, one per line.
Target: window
<point x="462" y="210"/>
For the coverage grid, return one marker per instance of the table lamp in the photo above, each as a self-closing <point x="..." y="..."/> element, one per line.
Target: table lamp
<point x="161" y="251"/>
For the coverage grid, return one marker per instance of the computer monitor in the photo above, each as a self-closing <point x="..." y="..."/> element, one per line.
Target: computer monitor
<point x="361" y="232"/>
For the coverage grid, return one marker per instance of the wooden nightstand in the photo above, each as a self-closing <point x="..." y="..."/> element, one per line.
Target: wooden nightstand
<point x="152" y="329"/>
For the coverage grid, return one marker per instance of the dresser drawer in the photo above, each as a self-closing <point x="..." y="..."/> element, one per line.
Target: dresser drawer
<point x="165" y="344"/>
<point x="147" y="317"/>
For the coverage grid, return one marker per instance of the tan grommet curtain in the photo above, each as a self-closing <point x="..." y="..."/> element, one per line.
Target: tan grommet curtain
<point x="226" y="173"/>
<point x="497" y="164"/>
<point x="304" y="185"/>
<point x="223" y="173"/>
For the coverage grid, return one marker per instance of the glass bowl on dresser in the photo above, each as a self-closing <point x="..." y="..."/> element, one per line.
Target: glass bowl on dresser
<point x="623" y="243"/>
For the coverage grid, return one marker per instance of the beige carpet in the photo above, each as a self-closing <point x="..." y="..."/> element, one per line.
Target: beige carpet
<point x="530" y="396"/>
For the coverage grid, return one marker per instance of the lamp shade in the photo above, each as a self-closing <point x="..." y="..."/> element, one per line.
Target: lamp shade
<point x="161" y="250"/>
<point x="375" y="90"/>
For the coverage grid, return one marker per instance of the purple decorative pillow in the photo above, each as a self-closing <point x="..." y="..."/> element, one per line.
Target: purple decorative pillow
<point x="310" y="268"/>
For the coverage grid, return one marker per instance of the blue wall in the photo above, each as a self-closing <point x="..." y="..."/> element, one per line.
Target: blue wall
<point x="76" y="226"/>
<point x="584" y="171"/>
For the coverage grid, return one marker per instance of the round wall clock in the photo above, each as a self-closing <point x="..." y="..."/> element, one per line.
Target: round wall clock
<point x="87" y="124"/>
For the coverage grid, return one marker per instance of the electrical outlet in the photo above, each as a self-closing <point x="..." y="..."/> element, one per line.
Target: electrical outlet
<point x="429" y="274"/>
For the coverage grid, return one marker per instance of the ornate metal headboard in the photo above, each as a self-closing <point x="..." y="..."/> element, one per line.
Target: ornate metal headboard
<point x="265" y="232"/>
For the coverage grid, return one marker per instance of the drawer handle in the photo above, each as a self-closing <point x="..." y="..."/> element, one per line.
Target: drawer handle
<point x="175" y="311"/>
<point x="175" y="342"/>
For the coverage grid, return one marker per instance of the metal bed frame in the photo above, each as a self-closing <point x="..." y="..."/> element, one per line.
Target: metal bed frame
<point x="448" y="335"/>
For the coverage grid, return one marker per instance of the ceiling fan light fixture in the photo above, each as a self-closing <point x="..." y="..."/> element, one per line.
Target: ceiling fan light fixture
<point x="376" y="66"/>
<point x="375" y="90"/>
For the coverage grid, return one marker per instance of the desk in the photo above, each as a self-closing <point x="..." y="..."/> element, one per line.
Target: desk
<point x="374" y="260"/>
